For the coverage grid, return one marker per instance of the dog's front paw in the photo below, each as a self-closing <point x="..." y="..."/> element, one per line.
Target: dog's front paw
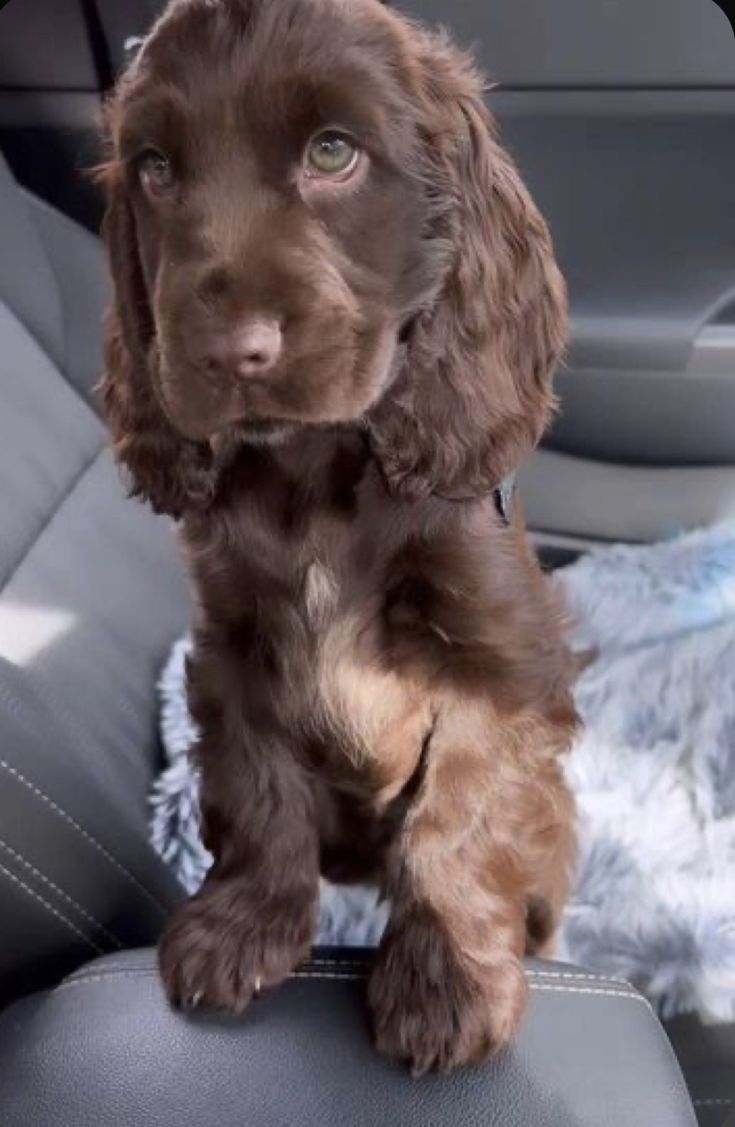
<point x="435" y="1010"/>
<point x="221" y="949"/>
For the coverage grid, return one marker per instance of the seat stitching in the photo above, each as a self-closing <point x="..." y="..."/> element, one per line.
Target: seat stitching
<point x="720" y="1101"/>
<point x="354" y="965"/>
<point x="316" y="963"/>
<point x="50" y="907"/>
<point x="81" y="976"/>
<point x="571" y="976"/>
<point x="113" y="966"/>
<point x="590" y="991"/>
<point x="150" y="973"/>
<point x="59" y="892"/>
<point x="87" y="836"/>
<point x="338" y="963"/>
<point x="537" y="986"/>
<point x="82" y="979"/>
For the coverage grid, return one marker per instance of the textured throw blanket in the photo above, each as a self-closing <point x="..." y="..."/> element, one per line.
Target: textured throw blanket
<point x="654" y="776"/>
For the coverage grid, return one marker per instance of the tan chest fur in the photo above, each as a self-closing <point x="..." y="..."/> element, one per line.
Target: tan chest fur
<point x="379" y="717"/>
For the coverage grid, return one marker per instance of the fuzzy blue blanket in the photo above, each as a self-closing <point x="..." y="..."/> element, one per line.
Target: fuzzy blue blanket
<point x="654" y="776"/>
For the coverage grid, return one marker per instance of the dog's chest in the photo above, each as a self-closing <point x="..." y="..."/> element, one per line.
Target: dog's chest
<point x="309" y="554"/>
<point x="305" y="527"/>
<point x="319" y="593"/>
<point x="366" y="714"/>
<point x="365" y="717"/>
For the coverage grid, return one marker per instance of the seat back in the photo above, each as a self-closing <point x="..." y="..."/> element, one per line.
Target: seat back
<point x="91" y="592"/>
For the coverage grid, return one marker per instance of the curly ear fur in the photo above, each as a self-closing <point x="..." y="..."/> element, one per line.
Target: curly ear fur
<point x="171" y="472"/>
<point x="475" y="393"/>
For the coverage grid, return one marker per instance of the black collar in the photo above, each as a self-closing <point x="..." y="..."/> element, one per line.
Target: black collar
<point x="503" y="497"/>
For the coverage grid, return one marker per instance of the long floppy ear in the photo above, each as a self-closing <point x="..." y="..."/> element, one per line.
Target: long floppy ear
<point x="171" y="472"/>
<point x="475" y="393"/>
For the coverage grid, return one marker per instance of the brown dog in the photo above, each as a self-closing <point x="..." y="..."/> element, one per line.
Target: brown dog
<point x="335" y="321"/>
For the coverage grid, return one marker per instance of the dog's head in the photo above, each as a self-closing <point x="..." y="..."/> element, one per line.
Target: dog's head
<point x="310" y="222"/>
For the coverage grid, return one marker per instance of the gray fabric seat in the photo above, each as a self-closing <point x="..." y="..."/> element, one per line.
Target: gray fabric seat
<point x="91" y="595"/>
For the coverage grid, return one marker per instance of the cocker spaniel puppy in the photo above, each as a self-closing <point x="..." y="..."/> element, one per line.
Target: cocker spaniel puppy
<point x="336" y="316"/>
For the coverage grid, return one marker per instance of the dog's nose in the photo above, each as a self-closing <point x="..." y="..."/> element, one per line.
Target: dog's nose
<point x="252" y="349"/>
<point x="257" y="346"/>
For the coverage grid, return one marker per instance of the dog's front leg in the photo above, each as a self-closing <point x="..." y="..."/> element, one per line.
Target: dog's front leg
<point x="448" y="987"/>
<point x="254" y="917"/>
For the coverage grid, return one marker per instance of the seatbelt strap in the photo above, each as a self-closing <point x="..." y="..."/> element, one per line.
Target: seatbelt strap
<point x="98" y="45"/>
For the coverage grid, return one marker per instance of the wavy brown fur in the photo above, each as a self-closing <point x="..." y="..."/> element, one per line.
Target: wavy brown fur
<point x="379" y="675"/>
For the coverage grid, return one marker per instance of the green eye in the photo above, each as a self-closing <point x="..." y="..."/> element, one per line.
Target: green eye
<point x="155" y="171"/>
<point x="332" y="154"/>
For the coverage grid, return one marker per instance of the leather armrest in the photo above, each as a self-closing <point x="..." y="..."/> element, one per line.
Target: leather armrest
<point x="105" y="1048"/>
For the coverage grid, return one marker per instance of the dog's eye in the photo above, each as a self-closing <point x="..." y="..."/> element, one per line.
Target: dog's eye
<point x="331" y="154"/>
<point x="155" y="171"/>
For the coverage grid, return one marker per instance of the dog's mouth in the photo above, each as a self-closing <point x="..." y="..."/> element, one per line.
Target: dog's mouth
<point x="328" y="386"/>
<point x="251" y="432"/>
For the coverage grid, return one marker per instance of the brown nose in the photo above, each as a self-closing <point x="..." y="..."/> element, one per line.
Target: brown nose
<point x="252" y="349"/>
